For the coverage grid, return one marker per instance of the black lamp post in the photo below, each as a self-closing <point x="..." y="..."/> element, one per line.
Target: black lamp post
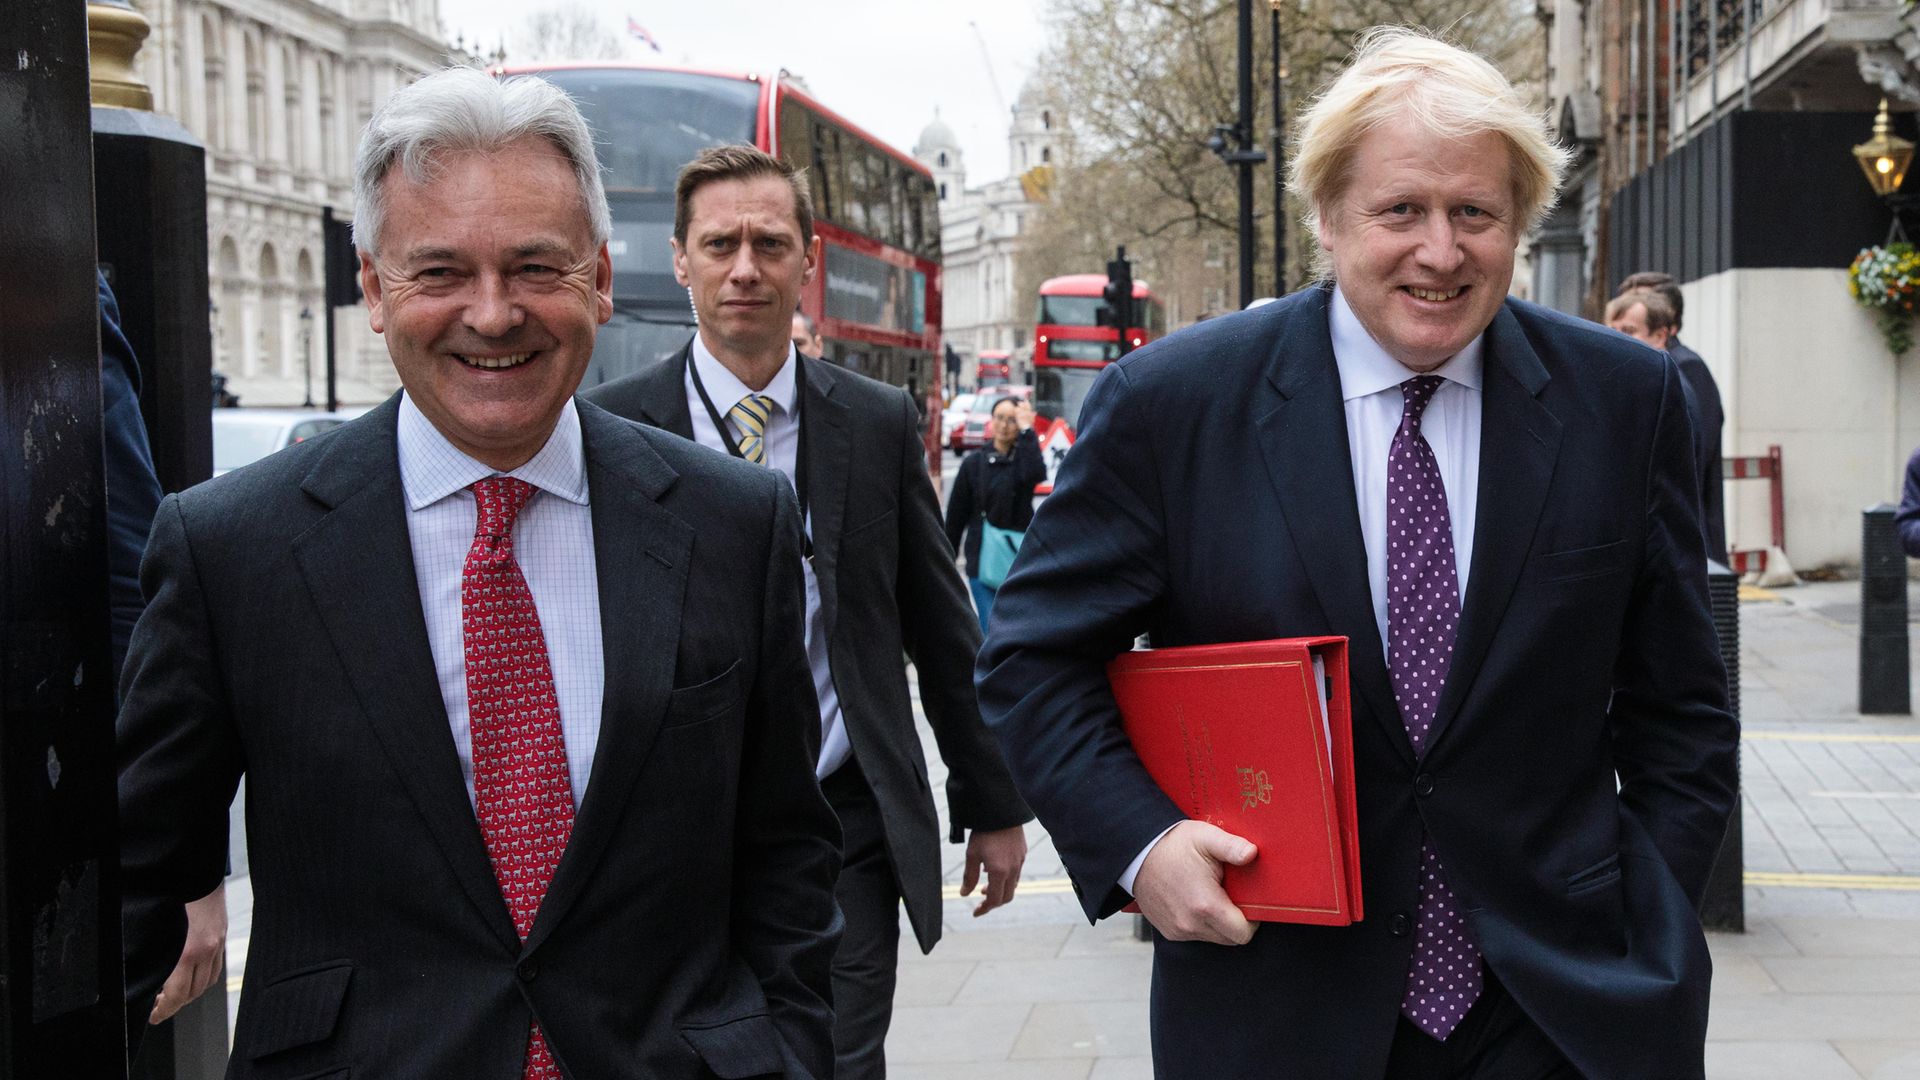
<point x="1243" y="155"/>
<point x="1279" y="156"/>
<point x="306" y="350"/>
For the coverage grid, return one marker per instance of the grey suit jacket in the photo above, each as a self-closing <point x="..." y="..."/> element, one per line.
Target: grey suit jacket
<point x="690" y="925"/>
<point x="888" y="587"/>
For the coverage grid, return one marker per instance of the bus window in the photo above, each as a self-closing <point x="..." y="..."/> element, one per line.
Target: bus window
<point x="646" y="124"/>
<point x="1059" y="392"/>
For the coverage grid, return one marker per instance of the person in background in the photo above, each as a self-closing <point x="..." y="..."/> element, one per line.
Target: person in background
<point x="995" y="487"/>
<point x="1907" y="520"/>
<point x="880" y="581"/>
<point x="806" y="336"/>
<point x="1708" y="416"/>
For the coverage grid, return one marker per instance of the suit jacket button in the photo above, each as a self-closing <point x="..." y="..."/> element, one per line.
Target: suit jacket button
<point x="1423" y="785"/>
<point x="1399" y="925"/>
<point x="529" y="971"/>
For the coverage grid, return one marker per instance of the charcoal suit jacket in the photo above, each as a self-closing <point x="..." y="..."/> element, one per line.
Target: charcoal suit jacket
<point x="888" y="589"/>
<point x="1210" y="498"/>
<point x="690" y="925"/>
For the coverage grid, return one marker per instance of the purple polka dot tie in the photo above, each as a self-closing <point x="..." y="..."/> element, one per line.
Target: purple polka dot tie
<point x="1423" y="609"/>
<point x="522" y="793"/>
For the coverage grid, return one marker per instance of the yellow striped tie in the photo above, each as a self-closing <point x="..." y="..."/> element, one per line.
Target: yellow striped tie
<point x="750" y="418"/>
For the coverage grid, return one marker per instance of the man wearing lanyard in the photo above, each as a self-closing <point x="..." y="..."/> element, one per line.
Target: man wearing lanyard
<point x="880" y="575"/>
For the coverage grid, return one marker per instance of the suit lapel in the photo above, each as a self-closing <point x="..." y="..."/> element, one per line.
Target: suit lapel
<point x="1519" y="445"/>
<point x="663" y="395"/>
<point x="825" y="424"/>
<point x="1303" y="435"/>
<point x="642" y="554"/>
<point x="358" y="566"/>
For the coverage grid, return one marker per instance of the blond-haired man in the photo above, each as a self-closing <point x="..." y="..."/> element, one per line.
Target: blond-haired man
<point x="1496" y="505"/>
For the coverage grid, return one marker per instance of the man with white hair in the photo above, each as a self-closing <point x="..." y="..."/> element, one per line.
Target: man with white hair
<point x="518" y="686"/>
<point x="1496" y="506"/>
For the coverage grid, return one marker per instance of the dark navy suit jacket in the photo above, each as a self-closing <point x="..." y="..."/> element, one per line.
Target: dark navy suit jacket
<point x="1210" y="498"/>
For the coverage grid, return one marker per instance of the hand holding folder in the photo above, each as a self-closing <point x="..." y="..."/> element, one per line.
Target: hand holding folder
<point x="1257" y="738"/>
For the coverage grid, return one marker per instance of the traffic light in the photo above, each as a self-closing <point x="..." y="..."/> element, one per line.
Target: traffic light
<point x="1118" y="295"/>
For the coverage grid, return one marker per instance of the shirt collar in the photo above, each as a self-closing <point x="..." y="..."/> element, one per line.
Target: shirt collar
<point x="726" y="389"/>
<point x="432" y="468"/>
<point x="1366" y="369"/>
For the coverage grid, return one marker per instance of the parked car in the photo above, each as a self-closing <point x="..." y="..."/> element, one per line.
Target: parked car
<point x="971" y="433"/>
<point x="955" y="414"/>
<point x="243" y="436"/>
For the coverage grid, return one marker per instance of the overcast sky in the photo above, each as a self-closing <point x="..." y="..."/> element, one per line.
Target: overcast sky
<point x="883" y="64"/>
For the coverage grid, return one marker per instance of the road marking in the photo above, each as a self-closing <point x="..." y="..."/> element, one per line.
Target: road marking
<point x="1784" y="879"/>
<point x="1817" y="737"/>
<point x="1865" y="794"/>
<point x="1033" y="887"/>
<point x="1754" y="592"/>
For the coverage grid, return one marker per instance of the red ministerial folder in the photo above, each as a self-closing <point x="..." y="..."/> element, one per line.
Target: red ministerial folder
<point x="1250" y="737"/>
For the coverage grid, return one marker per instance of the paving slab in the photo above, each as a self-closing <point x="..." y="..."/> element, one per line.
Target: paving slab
<point x="1852" y="937"/>
<point x="930" y="981"/>
<point x="954" y="1034"/>
<point x="1898" y="1060"/>
<point x="1777" y="1060"/>
<point x="1798" y="1017"/>
<point x="1842" y="975"/>
<point x="1080" y="978"/>
<point x="1122" y="1068"/>
<point x="1004" y="1070"/>
<point x="1086" y="1029"/>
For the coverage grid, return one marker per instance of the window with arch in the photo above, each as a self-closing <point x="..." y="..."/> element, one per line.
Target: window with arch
<point x="256" y="77"/>
<point x="214" y="78"/>
<point x="943" y="159"/>
<point x="1046" y="155"/>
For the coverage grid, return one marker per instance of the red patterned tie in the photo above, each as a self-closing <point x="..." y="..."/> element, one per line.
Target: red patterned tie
<point x="520" y="785"/>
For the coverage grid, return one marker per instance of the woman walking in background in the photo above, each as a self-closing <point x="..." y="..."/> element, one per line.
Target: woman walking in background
<point x="992" y="501"/>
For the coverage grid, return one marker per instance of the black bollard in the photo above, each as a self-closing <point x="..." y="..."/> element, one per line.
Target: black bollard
<point x="1723" y="907"/>
<point x="1883" y="616"/>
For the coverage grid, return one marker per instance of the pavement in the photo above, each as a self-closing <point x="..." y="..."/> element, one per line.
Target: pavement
<point x="1823" y="985"/>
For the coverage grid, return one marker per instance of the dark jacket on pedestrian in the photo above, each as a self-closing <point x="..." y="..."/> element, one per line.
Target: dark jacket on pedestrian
<point x="1907" y="520"/>
<point x="1707" y="421"/>
<point x="996" y="486"/>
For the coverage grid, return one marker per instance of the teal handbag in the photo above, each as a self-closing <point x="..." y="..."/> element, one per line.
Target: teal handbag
<point x="997" y="549"/>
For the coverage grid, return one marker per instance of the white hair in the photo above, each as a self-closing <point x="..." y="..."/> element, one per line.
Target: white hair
<point x="458" y="110"/>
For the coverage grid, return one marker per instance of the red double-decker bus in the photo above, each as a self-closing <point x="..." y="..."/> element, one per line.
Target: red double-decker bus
<point x="876" y="297"/>
<point x="1074" y="337"/>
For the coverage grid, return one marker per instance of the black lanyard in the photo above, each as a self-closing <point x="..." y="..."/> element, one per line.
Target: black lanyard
<point x="800" y="432"/>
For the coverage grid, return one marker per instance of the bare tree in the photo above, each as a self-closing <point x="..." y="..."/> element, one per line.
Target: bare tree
<point x="1146" y="81"/>
<point x="570" y="31"/>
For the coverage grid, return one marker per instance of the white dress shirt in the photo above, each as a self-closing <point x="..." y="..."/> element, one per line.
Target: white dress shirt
<point x="1370" y="392"/>
<point x="552" y="542"/>
<point x="781" y="441"/>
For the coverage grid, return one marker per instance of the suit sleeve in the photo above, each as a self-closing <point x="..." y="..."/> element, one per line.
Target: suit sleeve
<point x="787" y="841"/>
<point x="1675" y="741"/>
<point x="942" y="637"/>
<point x="960" y="504"/>
<point x="1030" y="465"/>
<point x="179" y="760"/>
<point x="133" y="494"/>
<point x="1089" y="574"/>
<point x="1907" y="519"/>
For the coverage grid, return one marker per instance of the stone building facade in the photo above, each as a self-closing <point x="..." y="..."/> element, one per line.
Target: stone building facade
<point x="277" y="91"/>
<point x="981" y="230"/>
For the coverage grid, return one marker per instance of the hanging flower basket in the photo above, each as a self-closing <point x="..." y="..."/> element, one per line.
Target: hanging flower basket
<point x="1886" y="281"/>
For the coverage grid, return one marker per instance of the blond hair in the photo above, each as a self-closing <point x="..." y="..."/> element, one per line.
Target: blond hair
<point x="1397" y="71"/>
